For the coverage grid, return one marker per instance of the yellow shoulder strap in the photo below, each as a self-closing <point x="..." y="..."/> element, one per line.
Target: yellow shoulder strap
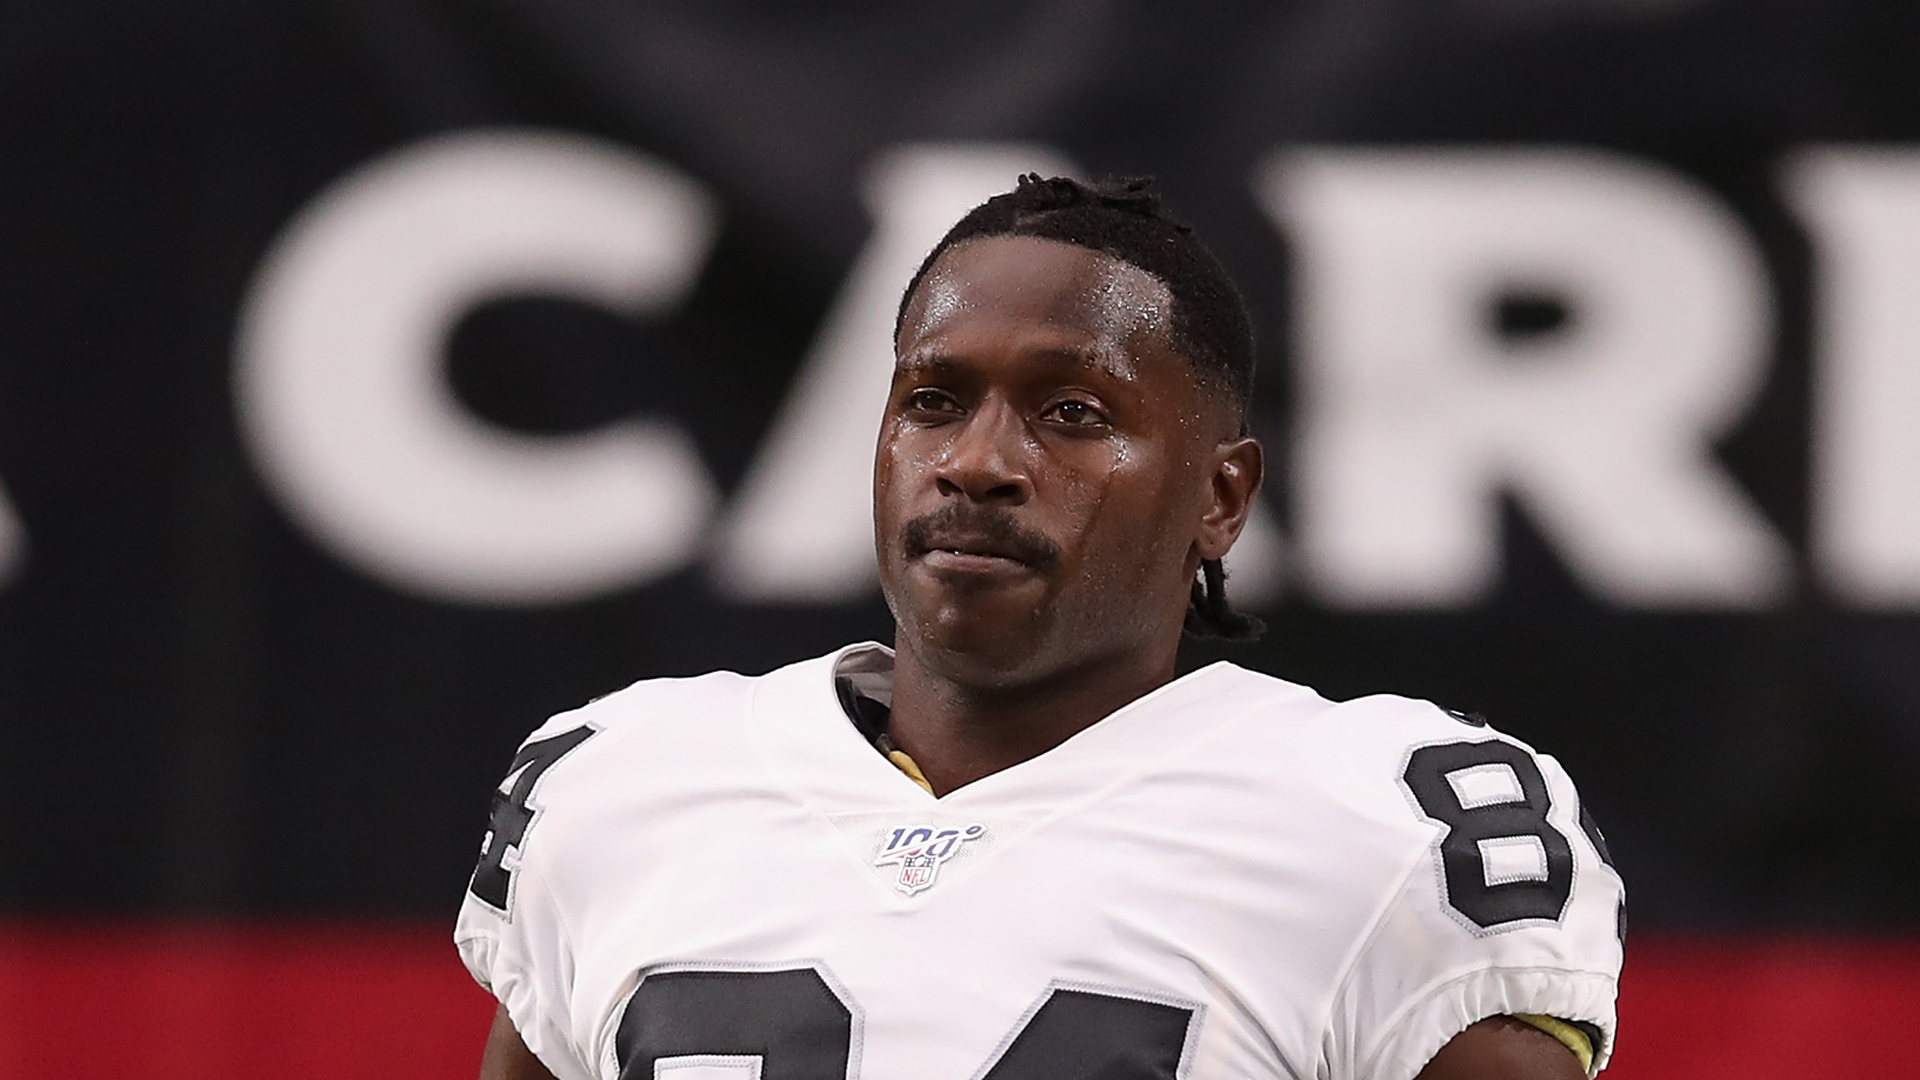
<point x="1571" y="1037"/>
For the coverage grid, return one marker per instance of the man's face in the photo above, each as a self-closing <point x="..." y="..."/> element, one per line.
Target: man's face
<point x="1046" y="464"/>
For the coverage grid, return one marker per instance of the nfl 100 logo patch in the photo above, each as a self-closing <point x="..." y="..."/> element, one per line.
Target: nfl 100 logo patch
<point x="920" y="850"/>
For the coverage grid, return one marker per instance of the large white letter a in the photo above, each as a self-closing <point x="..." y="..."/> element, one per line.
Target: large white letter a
<point x="1414" y="413"/>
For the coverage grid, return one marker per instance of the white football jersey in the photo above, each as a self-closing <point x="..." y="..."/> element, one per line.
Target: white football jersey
<point x="719" y="878"/>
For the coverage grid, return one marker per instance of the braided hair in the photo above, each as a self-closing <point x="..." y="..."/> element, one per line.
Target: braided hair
<point x="1124" y="218"/>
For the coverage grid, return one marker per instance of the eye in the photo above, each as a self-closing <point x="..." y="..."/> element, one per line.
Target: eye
<point x="1073" y="412"/>
<point x="927" y="400"/>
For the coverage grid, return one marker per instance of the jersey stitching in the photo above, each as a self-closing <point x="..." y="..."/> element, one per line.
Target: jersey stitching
<point x="1554" y="805"/>
<point x="537" y="811"/>
<point x="663" y="1067"/>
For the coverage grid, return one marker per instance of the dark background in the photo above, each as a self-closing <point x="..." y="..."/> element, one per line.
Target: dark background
<point x="203" y="712"/>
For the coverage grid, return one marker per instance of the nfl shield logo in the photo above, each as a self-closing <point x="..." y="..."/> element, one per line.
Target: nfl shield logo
<point x="916" y="872"/>
<point x="919" y="850"/>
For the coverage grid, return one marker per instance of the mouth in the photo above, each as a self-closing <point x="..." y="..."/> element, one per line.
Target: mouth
<point x="963" y="559"/>
<point x="966" y="546"/>
<point x="977" y="544"/>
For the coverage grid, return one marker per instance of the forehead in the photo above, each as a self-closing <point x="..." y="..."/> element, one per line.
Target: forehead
<point x="1032" y="286"/>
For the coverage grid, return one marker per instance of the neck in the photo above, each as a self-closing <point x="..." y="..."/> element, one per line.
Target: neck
<point x="958" y="732"/>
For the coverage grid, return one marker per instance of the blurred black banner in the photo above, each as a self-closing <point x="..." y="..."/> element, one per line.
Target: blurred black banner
<point x="380" y="376"/>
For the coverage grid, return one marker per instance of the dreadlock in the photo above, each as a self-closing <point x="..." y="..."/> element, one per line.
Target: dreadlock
<point x="1124" y="218"/>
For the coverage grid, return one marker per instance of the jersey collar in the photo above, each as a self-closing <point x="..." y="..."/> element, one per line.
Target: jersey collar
<point x="814" y="746"/>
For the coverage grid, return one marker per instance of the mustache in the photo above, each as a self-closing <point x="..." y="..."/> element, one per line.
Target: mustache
<point x="984" y="529"/>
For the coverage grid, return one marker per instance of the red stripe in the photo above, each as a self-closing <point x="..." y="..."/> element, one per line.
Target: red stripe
<point x="339" y="1002"/>
<point x="1754" y="1008"/>
<point x="307" y="1002"/>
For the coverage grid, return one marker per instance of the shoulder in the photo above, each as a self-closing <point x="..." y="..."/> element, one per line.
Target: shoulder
<point x="652" y="706"/>
<point x="653" y="732"/>
<point x="662" y="712"/>
<point x="1493" y="825"/>
<point x="1479" y="884"/>
<point x="1505" y="897"/>
<point x="1375" y="714"/>
<point x="1357" y="746"/>
<point x="1404" y="739"/>
<point x="1361" y="732"/>
<point x="624" y="757"/>
<point x="1363" y="772"/>
<point x="1414" y="771"/>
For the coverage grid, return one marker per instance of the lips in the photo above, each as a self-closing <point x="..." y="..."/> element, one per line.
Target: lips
<point x="979" y="547"/>
<point x="962" y="538"/>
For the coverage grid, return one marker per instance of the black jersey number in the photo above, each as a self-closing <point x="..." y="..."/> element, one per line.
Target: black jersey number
<point x="492" y="879"/>
<point x="792" y="1025"/>
<point x="791" y="1020"/>
<point x="1082" y="1035"/>
<point x="1463" y="860"/>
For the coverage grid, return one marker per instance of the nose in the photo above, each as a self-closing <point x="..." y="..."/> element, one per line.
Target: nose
<point x="987" y="460"/>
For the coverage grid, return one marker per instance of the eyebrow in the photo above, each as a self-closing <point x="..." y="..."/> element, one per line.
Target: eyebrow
<point x="1082" y="358"/>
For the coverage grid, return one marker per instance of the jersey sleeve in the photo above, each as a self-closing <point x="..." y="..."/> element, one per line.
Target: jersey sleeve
<point x="1509" y="904"/>
<point x="511" y="933"/>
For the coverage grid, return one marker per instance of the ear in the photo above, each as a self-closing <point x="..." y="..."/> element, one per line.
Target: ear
<point x="1238" y="465"/>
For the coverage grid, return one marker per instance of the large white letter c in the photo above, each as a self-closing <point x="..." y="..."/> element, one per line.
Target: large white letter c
<point x="344" y="404"/>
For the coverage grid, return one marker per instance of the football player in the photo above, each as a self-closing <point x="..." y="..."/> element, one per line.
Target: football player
<point x="1014" y="846"/>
